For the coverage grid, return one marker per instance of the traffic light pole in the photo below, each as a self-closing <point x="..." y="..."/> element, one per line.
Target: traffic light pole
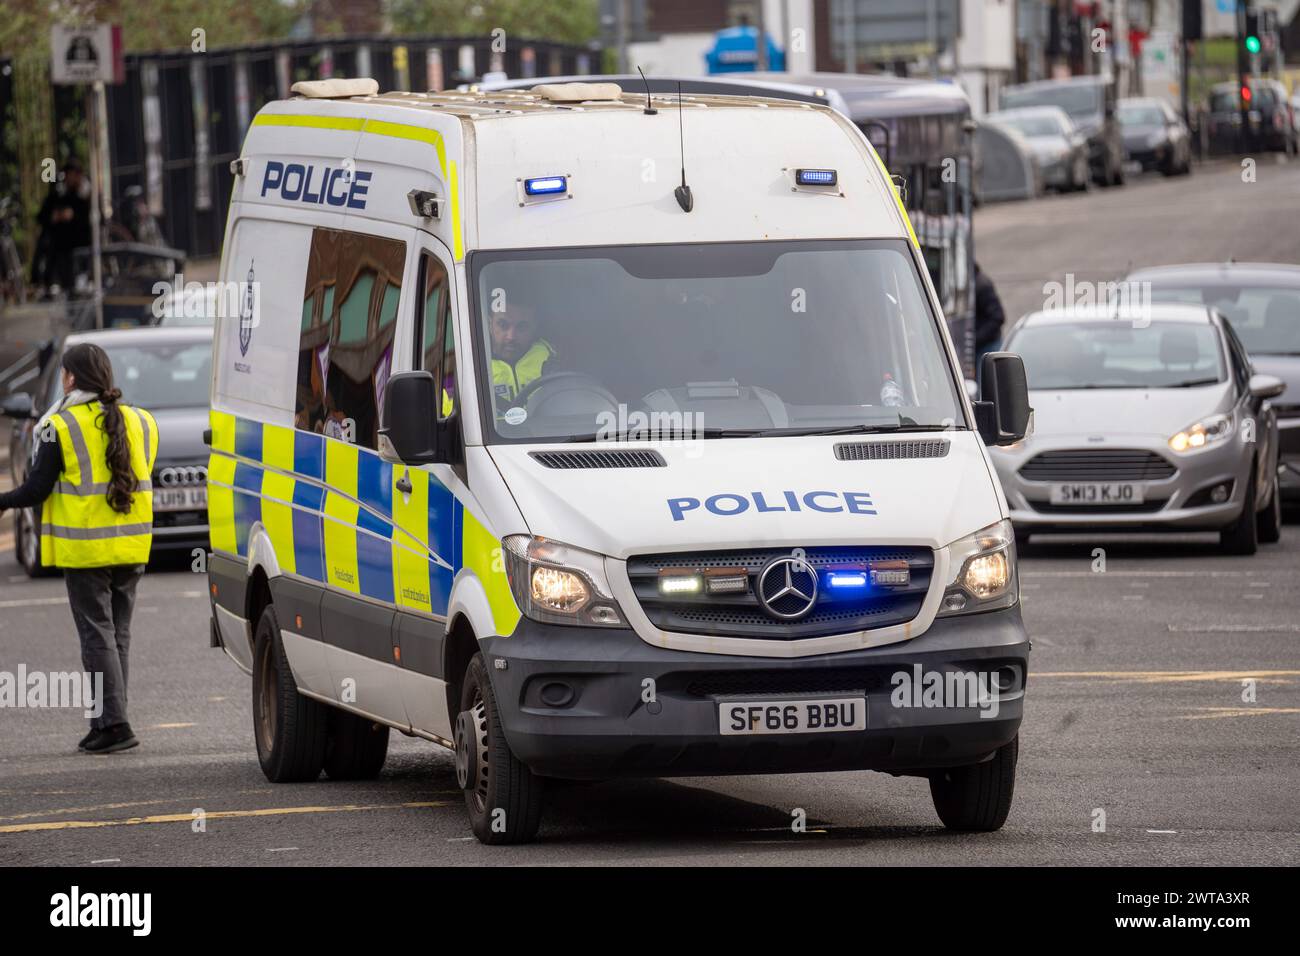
<point x="1243" y="68"/>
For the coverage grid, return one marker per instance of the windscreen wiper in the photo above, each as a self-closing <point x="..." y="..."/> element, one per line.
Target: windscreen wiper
<point x="686" y="434"/>
<point x="1192" y="383"/>
<point x="860" y="429"/>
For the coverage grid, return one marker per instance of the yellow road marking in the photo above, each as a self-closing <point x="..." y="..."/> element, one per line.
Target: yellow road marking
<point x="1217" y="712"/>
<point x="96" y="809"/>
<point x="171" y="726"/>
<point x="213" y="815"/>
<point x="1173" y="677"/>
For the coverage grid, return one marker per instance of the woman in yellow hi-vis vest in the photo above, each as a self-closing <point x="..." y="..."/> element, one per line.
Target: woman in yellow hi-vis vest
<point x="91" y="478"/>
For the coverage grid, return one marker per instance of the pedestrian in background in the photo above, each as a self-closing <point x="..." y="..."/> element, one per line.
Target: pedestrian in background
<point x="91" y="479"/>
<point x="989" y="318"/>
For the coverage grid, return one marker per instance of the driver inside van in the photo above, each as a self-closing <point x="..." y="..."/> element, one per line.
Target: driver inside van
<point x="519" y="356"/>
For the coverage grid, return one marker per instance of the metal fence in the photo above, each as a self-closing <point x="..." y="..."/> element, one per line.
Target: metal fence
<point x="180" y="117"/>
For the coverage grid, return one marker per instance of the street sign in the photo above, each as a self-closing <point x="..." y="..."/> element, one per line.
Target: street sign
<point x="90" y="53"/>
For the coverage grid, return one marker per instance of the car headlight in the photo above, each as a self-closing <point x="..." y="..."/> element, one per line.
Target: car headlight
<point x="985" y="577"/>
<point x="1202" y="433"/>
<point x="559" y="584"/>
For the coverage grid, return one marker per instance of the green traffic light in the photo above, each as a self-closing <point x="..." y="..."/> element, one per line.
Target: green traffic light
<point x="1252" y="44"/>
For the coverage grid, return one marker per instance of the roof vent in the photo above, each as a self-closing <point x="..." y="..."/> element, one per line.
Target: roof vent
<point x="579" y="92"/>
<point x="335" y="89"/>
<point x="891" y="450"/>
<point x="612" y="458"/>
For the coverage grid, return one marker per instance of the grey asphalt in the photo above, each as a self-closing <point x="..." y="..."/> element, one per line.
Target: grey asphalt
<point x="1134" y="704"/>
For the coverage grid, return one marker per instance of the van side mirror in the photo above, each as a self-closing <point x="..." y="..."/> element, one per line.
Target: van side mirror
<point x="17" y="405"/>
<point x="1003" y="414"/>
<point x="409" y="429"/>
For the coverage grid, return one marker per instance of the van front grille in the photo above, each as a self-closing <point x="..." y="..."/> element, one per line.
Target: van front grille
<point x="612" y="458"/>
<point x="891" y="450"/>
<point x="740" y="614"/>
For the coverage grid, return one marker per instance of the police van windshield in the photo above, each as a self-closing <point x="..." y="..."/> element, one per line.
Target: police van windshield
<point x="708" y="340"/>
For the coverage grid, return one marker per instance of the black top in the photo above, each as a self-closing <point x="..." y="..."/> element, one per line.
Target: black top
<point x="40" y="480"/>
<point x="988" y="311"/>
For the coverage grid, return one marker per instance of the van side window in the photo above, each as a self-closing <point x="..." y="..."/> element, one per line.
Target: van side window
<point x="349" y="317"/>
<point x="437" y="350"/>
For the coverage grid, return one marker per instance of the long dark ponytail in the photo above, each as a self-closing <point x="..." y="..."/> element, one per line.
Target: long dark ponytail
<point x="92" y="372"/>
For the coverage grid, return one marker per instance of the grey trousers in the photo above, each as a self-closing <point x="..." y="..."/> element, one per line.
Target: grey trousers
<point x="102" y="600"/>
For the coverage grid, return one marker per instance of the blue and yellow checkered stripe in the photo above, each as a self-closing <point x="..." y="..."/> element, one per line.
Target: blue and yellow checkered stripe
<point x="334" y="515"/>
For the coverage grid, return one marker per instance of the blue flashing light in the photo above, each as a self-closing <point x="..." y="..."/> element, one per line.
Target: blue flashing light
<point x="847" y="579"/>
<point x="546" y="186"/>
<point x="816" y="177"/>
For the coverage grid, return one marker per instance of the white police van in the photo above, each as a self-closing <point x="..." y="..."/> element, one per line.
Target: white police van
<point x="591" y="435"/>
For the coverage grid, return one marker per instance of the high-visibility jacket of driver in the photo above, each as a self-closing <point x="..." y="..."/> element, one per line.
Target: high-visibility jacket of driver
<point x="79" y="529"/>
<point x="508" y="380"/>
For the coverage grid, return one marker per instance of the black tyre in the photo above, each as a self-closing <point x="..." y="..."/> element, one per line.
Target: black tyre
<point x="1242" y="536"/>
<point x="504" y="797"/>
<point x="977" y="797"/>
<point x="1268" y="523"/>
<point x="27" y="544"/>
<point x="290" y="729"/>
<point x="356" y="748"/>
<point x="1022" y="539"/>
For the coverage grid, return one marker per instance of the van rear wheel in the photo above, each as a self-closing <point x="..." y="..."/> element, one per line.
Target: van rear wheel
<point x="977" y="797"/>
<point x="356" y="748"/>
<point x="290" y="729"/>
<point x="503" y="796"/>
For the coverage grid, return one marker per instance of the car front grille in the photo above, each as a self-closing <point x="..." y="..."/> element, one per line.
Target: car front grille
<point x="1146" y="507"/>
<point x="741" y="614"/>
<point x="1097" y="464"/>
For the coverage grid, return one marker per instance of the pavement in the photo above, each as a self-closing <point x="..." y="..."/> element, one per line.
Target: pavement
<point x="1161" y="721"/>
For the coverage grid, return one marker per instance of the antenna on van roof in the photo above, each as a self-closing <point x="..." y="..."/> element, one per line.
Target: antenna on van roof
<point x="682" y="192"/>
<point x="649" y="110"/>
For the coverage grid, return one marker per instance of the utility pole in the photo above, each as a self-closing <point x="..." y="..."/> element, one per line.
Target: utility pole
<point x="760" y="42"/>
<point x="620" y="34"/>
<point x="1243" y="70"/>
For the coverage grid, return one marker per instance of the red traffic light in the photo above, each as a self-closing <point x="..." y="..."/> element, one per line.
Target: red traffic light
<point x="1245" y="94"/>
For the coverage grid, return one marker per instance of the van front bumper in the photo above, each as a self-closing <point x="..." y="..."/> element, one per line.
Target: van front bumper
<point x="591" y="703"/>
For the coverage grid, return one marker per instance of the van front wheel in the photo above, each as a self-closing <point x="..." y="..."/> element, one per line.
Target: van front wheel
<point x="978" y="796"/>
<point x="503" y="796"/>
<point x="290" y="729"/>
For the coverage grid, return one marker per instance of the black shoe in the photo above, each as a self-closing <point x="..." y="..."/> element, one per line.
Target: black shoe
<point x="110" y="740"/>
<point x="81" y="744"/>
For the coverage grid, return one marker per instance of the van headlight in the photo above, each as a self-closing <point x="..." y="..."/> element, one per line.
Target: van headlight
<point x="1202" y="433"/>
<point x="985" y="576"/>
<point x="559" y="584"/>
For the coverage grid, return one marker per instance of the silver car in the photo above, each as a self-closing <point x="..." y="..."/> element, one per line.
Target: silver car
<point x="1058" y="148"/>
<point x="1146" y="418"/>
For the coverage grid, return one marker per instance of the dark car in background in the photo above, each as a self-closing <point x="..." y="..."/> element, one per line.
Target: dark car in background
<point x="1089" y="101"/>
<point x="1270" y="121"/>
<point x="1261" y="301"/>
<point x="1155" y="137"/>
<point x="165" y="370"/>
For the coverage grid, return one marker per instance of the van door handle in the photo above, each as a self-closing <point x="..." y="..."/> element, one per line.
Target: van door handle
<point x="404" y="484"/>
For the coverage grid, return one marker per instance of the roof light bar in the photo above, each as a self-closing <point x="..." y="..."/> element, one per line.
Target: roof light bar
<point x="816" y="177"/>
<point x="546" y="186"/>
